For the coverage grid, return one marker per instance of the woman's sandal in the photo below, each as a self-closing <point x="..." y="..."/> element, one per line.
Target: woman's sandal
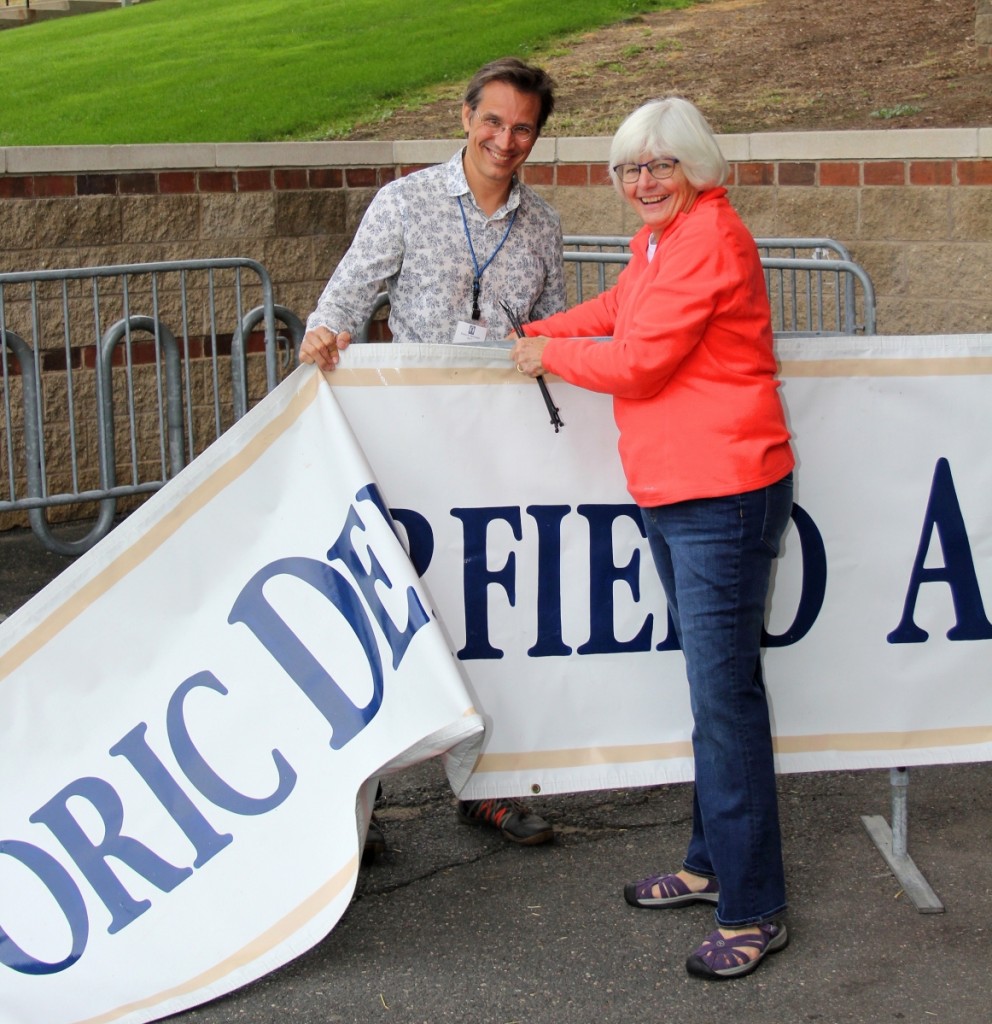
<point x="673" y="892"/>
<point x="720" y="957"/>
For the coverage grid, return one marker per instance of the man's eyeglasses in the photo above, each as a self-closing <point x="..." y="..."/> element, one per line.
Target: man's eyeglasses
<point x="521" y="132"/>
<point x="659" y="169"/>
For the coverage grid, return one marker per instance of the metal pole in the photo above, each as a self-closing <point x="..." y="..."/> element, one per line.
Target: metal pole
<point x="899" y="780"/>
<point x="891" y="843"/>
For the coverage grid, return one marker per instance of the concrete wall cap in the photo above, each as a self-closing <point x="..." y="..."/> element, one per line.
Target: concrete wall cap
<point x="892" y="144"/>
<point x="544" y="150"/>
<point x="734" y="147"/>
<point x="437" y="151"/>
<point x="301" y="154"/>
<point x="896" y="144"/>
<point x="580" y="150"/>
<point x="73" y="159"/>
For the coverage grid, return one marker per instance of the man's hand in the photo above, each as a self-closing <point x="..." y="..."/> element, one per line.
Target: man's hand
<point x="323" y="347"/>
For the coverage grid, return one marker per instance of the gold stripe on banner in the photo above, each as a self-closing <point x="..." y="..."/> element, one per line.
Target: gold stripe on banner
<point x="844" y="366"/>
<point x="285" y="929"/>
<point x="159" y="532"/>
<point x="428" y="376"/>
<point x="408" y="376"/>
<point x="956" y="736"/>
<point x="581" y="757"/>
<point x="939" y="366"/>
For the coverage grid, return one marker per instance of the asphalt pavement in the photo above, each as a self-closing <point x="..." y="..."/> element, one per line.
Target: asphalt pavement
<point x="456" y="924"/>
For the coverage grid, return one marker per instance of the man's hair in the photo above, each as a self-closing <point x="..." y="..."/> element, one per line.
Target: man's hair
<point x="523" y="77"/>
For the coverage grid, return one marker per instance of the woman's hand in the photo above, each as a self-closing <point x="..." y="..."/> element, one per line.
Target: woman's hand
<point x="527" y="354"/>
<point x="323" y="347"/>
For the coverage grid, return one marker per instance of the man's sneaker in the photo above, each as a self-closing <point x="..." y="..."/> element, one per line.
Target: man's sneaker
<point x="511" y="817"/>
<point x="375" y="842"/>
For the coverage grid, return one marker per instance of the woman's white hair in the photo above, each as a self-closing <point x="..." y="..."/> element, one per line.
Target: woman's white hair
<point x="671" y="127"/>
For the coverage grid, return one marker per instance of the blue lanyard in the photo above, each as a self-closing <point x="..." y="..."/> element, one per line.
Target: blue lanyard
<point x="477" y="279"/>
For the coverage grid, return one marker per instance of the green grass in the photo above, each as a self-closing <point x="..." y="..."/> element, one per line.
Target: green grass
<point x="899" y="110"/>
<point x="260" y="70"/>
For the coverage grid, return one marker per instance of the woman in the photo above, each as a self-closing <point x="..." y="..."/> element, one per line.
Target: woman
<point x="706" y="453"/>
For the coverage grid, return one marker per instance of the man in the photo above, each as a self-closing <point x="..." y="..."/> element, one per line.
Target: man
<point x="451" y="243"/>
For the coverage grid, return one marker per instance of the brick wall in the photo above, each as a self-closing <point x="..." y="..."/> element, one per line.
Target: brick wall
<point x="914" y="207"/>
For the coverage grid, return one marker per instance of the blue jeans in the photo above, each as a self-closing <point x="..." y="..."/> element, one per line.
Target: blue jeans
<point x="714" y="557"/>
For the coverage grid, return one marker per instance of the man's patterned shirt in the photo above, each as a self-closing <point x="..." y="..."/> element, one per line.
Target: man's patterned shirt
<point x="412" y="241"/>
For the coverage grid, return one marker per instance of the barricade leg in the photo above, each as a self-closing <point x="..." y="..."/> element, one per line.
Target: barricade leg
<point x="892" y="844"/>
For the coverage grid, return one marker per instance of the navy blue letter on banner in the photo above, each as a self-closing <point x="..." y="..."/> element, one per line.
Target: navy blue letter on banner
<point x="59" y="883"/>
<point x="478" y="576"/>
<point x="814" y="585"/>
<point x="958" y="572"/>
<point x="251" y="608"/>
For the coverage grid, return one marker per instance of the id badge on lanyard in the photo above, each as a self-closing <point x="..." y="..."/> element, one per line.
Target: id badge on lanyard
<point x="474" y="331"/>
<point x="469" y="332"/>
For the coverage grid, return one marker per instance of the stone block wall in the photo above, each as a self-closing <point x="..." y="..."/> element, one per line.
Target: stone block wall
<point x="914" y="206"/>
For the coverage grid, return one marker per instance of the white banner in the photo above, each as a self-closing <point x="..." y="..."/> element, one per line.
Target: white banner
<point x="189" y="712"/>
<point x="189" y="715"/>
<point x="880" y="641"/>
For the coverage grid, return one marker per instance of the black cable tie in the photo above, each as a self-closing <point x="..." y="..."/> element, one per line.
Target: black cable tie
<point x="553" y="411"/>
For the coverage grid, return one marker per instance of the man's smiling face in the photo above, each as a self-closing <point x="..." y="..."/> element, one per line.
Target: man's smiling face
<point x="493" y="155"/>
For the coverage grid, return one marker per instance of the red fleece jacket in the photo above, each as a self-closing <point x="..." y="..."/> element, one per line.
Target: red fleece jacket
<point x="689" y="363"/>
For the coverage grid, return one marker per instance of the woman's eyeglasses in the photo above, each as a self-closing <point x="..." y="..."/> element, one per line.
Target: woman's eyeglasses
<point x="659" y="169"/>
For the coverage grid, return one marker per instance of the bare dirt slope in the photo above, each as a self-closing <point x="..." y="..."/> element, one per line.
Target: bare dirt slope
<point x="760" y="65"/>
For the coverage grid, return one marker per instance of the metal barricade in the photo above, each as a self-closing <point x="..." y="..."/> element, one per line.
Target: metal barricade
<point x="115" y="377"/>
<point x="821" y="294"/>
<point x="819" y="297"/>
<point x="801" y="248"/>
<point x="814" y="287"/>
<point x="381" y="302"/>
<point x="593" y="263"/>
